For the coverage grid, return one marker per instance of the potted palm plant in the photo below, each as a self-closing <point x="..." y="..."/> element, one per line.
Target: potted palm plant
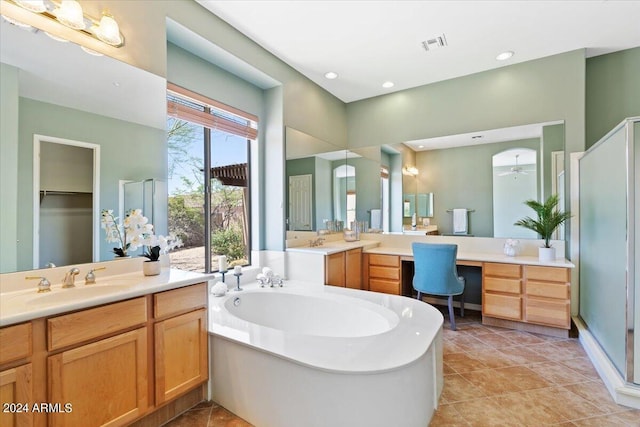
<point x="549" y="218"/>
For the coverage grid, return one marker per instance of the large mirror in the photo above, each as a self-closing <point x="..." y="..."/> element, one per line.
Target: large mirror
<point x="484" y="172"/>
<point x="57" y="92"/>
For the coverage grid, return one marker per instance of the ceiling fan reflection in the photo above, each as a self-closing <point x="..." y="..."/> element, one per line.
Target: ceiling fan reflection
<point x="516" y="170"/>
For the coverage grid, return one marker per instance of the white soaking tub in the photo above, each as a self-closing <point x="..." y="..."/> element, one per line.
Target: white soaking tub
<point x="305" y="355"/>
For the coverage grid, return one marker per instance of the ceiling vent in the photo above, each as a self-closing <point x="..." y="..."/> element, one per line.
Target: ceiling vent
<point x="434" y="43"/>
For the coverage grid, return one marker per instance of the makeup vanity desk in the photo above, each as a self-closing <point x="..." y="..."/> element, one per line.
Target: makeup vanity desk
<point x="517" y="292"/>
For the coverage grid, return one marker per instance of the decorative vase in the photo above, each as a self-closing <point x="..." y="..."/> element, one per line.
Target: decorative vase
<point x="151" y="268"/>
<point x="547" y="254"/>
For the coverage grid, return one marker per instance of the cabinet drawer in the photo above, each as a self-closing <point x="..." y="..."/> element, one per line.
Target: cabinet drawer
<point x="15" y="342"/>
<point x="179" y="300"/>
<point x="551" y="274"/>
<point x="502" y="270"/>
<point x="386" y="260"/>
<point x="547" y="289"/>
<point x="498" y="284"/>
<point x="392" y="273"/>
<point x="385" y="286"/>
<point x="504" y="306"/>
<point x="95" y="322"/>
<point x="547" y="312"/>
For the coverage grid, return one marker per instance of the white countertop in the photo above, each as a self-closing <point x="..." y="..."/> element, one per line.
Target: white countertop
<point x="24" y="305"/>
<point x="418" y="325"/>
<point x="332" y="247"/>
<point x="479" y="256"/>
<point x="377" y="247"/>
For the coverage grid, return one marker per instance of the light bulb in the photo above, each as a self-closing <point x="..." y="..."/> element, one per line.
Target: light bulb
<point x="36" y="6"/>
<point x="70" y="14"/>
<point x="108" y="30"/>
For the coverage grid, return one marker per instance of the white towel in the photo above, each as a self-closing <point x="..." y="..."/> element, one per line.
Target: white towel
<point x="376" y="217"/>
<point x="459" y="220"/>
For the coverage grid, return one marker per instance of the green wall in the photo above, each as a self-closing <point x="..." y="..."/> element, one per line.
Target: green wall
<point x="128" y="152"/>
<point x="462" y="177"/>
<point x="9" y="106"/>
<point x="613" y="91"/>
<point x="552" y="140"/>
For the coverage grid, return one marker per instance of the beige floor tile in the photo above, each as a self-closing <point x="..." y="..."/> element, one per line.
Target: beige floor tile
<point x="457" y="388"/>
<point x="527" y="412"/>
<point x="596" y="393"/>
<point x="462" y="362"/>
<point x="523" y="378"/>
<point x="450" y="347"/>
<point x="603" y="421"/>
<point x="447" y="370"/>
<point x="491" y="381"/>
<point x="492" y="358"/>
<point x="561" y="401"/>
<point x="485" y="412"/>
<point x="448" y="416"/>
<point x="523" y="355"/>
<point x="521" y="337"/>
<point x="557" y="373"/>
<point x="497" y="340"/>
<point x="220" y="417"/>
<point x="583" y="366"/>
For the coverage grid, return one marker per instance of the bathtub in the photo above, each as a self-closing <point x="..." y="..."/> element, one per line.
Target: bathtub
<point x="309" y="355"/>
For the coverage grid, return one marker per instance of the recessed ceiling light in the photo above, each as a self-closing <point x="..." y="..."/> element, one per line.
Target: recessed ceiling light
<point x="420" y="146"/>
<point x="504" y="55"/>
<point x="331" y="75"/>
<point x="387" y="85"/>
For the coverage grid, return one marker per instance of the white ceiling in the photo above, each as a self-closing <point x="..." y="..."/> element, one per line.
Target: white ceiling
<point x="370" y="42"/>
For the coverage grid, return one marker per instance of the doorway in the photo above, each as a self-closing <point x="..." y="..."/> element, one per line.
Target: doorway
<point x="66" y="217"/>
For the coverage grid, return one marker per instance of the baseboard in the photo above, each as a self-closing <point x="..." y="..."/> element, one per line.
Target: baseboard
<point x="621" y="392"/>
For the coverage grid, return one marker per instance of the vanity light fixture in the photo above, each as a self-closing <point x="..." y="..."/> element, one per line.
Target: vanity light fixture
<point x="68" y="13"/>
<point x="387" y="85"/>
<point x="411" y="170"/>
<point x="331" y="75"/>
<point x="504" y="55"/>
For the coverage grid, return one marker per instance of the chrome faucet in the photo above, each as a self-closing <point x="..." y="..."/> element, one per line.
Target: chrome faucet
<point x="70" y="277"/>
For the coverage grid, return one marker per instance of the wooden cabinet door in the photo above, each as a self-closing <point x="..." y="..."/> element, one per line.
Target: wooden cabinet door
<point x="353" y="267"/>
<point x="16" y="389"/>
<point x="105" y="382"/>
<point x="181" y="354"/>
<point x="335" y="269"/>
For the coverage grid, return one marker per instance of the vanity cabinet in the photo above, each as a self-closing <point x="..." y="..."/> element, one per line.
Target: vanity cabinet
<point x="384" y="273"/>
<point x="547" y="296"/>
<point x="180" y="334"/>
<point x="16" y="385"/>
<point x="344" y="269"/>
<point x="102" y="370"/>
<point x="502" y="291"/>
<point x="530" y="294"/>
<point x="114" y="364"/>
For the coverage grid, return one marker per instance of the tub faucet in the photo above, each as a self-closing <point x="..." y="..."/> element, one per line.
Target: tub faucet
<point x="70" y="277"/>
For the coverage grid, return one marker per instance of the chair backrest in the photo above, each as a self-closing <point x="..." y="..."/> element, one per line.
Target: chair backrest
<point x="435" y="269"/>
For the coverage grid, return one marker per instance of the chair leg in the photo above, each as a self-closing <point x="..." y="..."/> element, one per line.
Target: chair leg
<point x="451" y="317"/>
<point x="419" y="296"/>
<point x="462" y="304"/>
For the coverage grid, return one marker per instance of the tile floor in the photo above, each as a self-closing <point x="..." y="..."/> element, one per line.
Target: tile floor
<point x="498" y="377"/>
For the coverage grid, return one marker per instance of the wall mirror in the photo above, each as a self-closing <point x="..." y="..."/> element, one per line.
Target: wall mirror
<point x="484" y="171"/>
<point x="59" y="90"/>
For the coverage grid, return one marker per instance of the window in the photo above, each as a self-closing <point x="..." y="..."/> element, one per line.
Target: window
<point x="209" y="186"/>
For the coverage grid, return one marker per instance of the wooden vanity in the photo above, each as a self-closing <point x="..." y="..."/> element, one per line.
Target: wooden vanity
<point x="517" y="292"/>
<point x="135" y="361"/>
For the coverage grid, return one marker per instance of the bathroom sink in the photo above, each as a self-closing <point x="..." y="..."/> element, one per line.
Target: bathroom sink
<point x="74" y="294"/>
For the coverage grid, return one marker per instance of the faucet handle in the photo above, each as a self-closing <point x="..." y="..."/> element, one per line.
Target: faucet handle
<point x="43" y="286"/>
<point x="90" y="278"/>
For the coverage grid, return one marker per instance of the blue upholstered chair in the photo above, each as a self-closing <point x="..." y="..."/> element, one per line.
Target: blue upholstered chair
<point x="436" y="273"/>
